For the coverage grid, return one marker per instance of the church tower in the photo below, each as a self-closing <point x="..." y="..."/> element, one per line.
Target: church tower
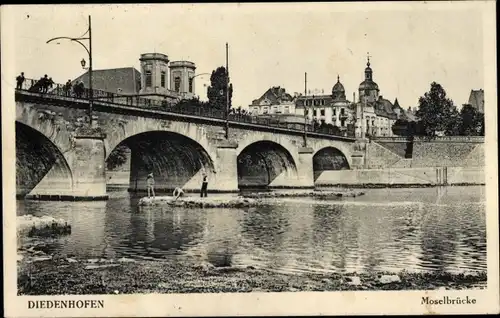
<point x="368" y="89"/>
<point x="182" y="78"/>
<point x="154" y="70"/>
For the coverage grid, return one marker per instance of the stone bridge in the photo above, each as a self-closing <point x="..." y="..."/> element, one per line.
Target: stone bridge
<point x="59" y="157"/>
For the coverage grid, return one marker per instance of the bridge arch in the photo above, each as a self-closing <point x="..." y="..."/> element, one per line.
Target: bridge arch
<point x="265" y="163"/>
<point x="327" y="159"/>
<point x="174" y="159"/>
<point x="49" y="123"/>
<point x="123" y="128"/>
<point x="40" y="164"/>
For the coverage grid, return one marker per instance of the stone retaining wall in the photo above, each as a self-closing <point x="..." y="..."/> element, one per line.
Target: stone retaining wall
<point x="404" y="177"/>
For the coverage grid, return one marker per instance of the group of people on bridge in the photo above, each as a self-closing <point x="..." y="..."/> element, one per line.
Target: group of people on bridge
<point x="178" y="192"/>
<point x="45" y="83"/>
<point x="41" y="86"/>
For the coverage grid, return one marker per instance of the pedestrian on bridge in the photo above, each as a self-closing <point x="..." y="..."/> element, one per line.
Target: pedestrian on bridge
<point x="67" y="88"/>
<point x="78" y="89"/>
<point x="20" y="80"/>
<point x="151" y="185"/>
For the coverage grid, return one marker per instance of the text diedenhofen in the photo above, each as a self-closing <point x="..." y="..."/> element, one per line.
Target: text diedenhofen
<point x="62" y="304"/>
<point x="445" y="300"/>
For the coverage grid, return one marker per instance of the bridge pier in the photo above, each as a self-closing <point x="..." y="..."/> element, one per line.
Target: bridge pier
<point x="87" y="182"/>
<point x="226" y="177"/>
<point x="305" y="168"/>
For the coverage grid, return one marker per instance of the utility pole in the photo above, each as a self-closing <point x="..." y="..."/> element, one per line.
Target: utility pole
<point x="89" y="51"/>
<point x="227" y="91"/>
<point x="305" y="109"/>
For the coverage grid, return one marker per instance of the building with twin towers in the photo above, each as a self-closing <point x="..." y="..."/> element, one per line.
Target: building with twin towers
<point x="159" y="79"/>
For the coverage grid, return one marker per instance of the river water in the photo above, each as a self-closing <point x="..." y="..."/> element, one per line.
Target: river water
<point x="418" y="229"/>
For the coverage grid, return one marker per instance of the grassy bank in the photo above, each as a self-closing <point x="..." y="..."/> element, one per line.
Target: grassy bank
<point x="124" y="276"/>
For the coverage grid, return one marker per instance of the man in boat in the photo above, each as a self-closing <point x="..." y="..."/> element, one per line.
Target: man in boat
<point x="151" y="185"/>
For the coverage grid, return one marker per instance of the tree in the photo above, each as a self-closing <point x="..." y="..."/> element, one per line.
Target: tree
<point x="436" y="112"/>
<point x="218" y="88"/>
<point x="403" y="127"/>
<point x="193" y="102"/>
<point x="117" y="157"/>
<point x="471" y="121"/>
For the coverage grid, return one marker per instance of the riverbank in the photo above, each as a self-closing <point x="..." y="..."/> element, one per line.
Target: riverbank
<point x="66" y="275"/>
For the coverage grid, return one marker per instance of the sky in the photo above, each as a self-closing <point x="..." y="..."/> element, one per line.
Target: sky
<point x="269" y="44"/>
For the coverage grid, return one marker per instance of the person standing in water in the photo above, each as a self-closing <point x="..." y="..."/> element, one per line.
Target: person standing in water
<point x="204" y="183"/>
<point x="151" y="185"/>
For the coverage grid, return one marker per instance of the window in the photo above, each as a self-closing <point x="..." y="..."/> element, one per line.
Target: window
<point x="190" y="84"/>
<point x="315" y="112"/>
<point x="322" y="112"/>
<point x="342" y="122"/>
<point x="177" y="82"/>
<point x="149" y="79"/>
<point x="342" y="111"/>
<point x="287" y="109"/>
<point x="266" y="110"/>
<point x="162" y="79"/>
<point x="323" y="102"/>
<point x="334" y="112"/>
<point x="256" y="110"/>
<point x="306" y="112"/>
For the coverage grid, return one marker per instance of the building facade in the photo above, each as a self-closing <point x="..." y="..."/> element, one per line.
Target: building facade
<point x="371" y="115"/>
<point x="124" y="80"/>
<point x="476" y="99"/>
<point x="159" y="79"/>
<point x="274" y="101"/>
<point x="334" y="109"/>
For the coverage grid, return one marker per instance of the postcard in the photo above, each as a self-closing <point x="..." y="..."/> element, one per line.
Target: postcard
<point x="250" y="159"/>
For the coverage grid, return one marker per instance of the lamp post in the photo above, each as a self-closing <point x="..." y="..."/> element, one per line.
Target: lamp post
<point x="83" y="62"/>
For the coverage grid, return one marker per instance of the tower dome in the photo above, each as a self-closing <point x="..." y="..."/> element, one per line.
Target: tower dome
<point x="338" y="91"/>
<point x="368" y="89"/>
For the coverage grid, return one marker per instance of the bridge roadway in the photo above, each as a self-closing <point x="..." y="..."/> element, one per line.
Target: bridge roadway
<point x="59" y="157"/>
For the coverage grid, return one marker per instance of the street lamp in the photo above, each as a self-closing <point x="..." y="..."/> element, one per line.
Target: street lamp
<point x="192" y="77"/>
<point x="199" y="75"/>
<point x="83" y="62"/>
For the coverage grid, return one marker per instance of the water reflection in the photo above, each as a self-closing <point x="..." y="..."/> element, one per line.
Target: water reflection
<point x="434" y="229"/>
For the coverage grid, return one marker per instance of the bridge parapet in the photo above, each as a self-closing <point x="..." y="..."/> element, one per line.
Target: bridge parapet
<point x="33" y="89"/>
<point x="472" y="139"/>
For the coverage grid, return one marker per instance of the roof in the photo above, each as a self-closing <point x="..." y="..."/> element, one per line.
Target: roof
<point x="327" y="98"/>
<point x="127" y="79"/>
<point x="338" y="87"/>
<point x="476" y="99"/>
<point x="368" y="84"/>
<point x="384" y="108"/>
<point x="275" y="96"/>
<point x="396" y="104"/>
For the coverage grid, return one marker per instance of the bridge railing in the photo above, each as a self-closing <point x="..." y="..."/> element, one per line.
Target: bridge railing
<point x="83" y="93"/>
